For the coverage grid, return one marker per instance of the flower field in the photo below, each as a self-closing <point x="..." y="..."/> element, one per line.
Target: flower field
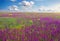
<point x="29" y="27"/>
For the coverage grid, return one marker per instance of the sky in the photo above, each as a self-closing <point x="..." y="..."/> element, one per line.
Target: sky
<point x="30" y="5"/>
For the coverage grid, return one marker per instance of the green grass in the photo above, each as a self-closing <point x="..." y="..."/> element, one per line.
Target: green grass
<point x="7" y="22"/>
<point x="12" y="22"/>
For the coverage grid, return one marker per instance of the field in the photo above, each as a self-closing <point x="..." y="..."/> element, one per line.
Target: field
<point x="29" y="26"/>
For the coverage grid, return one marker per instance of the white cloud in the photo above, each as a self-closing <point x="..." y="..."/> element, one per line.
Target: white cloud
<point x="27" y="3"/>
<point x="13" y="0"/>
<point x="13" y="8"/>
<point x="54" y="8"/>
<point x="38" y="0"/>
<point x="31" y="2"/>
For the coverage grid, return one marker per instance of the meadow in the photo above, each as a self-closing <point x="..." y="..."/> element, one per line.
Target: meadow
<point x="29" y="26"/>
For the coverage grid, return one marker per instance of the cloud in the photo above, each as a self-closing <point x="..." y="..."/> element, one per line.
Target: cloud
<point x="13" y="8"/>
<point x="54" y="8"/>
<point x="31" y="2"/>
<point x="38" y="0"/>
<point x="43" y="8"/>
<point x="13" y="0"/>
<point x="27" y="3"/>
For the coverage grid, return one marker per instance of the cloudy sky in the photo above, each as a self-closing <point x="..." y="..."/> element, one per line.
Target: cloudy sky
<point x="30" y="5"/>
